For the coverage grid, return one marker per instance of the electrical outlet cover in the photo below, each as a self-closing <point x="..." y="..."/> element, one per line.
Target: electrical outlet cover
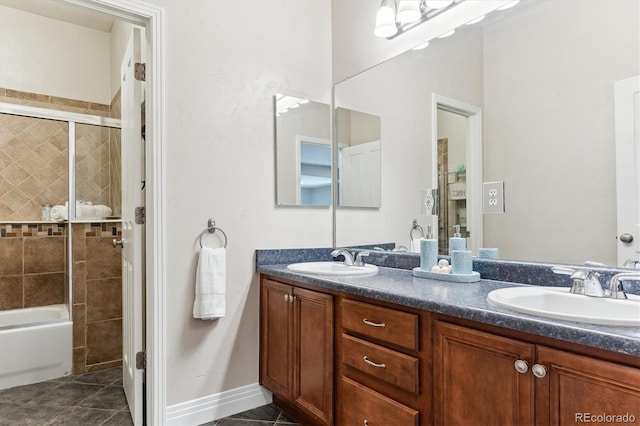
<point x="493" y="197"/>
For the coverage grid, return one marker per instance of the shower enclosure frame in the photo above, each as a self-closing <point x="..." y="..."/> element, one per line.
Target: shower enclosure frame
<point x="71" y="118"/>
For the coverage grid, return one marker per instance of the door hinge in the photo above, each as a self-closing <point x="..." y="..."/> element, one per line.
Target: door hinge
<point x="140" y="71"/>
<point x="141" y="360"/>
<point x="140" y="215"/>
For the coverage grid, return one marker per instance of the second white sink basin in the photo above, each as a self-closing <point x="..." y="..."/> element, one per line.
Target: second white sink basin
<point x="331" y="268"/>
<point x="557" y="302"/>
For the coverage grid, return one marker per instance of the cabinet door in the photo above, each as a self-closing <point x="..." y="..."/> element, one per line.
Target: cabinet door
<point x="276" y="349"/>
<point x="579" y="390"/>
<point x="313" y="340"/>
<point x="475" y="381"/>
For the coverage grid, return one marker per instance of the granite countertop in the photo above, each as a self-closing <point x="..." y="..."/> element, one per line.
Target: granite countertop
<point x="464" y="300"/>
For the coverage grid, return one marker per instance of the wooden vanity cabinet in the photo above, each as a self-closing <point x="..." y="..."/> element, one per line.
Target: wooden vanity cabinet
<point x="381" y="357"/>
<point x="297" y="351"/>
<point x="476" y="382"/>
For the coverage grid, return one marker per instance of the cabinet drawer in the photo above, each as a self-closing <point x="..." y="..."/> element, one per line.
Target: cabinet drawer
<point x="363" y="406"/>
<point x="385" y="364"/>
<point x="389" y="325"/>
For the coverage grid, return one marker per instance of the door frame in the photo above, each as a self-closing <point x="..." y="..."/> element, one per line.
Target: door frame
<point x="473" y="116"/>
<point x="152" y="19"/>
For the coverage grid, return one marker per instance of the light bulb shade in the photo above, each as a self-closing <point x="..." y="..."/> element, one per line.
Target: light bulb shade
<point x="408" y="11"/>
<point x="385" y="20"/>
<point x="438" y="4"/>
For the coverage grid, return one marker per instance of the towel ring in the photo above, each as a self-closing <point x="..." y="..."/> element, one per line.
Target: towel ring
<point x="212" y="228"/>
<point x="415" y="226"/>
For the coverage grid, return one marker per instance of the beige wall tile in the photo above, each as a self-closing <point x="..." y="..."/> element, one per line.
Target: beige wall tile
<point x="44" y="289"/>
<point x="10" y="292"/>
<point x="104" y="299"/>
<point x="45" y="254"/>
<point x="79" y="282"/>
<point x="11" y="253"/>
<point x="104" y="341"/>
<point x="79" y="360"/>
<point x="103" y="260"/>
<point x="79" y="325"/>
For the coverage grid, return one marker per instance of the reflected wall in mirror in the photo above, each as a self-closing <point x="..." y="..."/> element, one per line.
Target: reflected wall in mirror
<point x="543" y="74"/>
<point x="358" y="135"/>
<point x="303" y="151"/>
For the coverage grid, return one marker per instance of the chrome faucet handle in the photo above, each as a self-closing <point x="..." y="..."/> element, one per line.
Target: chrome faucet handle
<point x="359" y="256"/>
<point x="615" y="286"/>
<point x="348" y="257"/>
<point x="585" y="281"/>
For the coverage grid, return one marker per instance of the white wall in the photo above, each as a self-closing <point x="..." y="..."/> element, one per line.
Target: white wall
<point x="555" y="149"/>
<point x="46" y="56"/>
<point x="224" y="62"/>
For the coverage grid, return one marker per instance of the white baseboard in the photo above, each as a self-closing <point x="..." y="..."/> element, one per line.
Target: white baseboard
<point x="217" y="406"/>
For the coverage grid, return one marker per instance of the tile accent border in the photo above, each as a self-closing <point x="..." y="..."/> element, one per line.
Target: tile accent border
<point x="217" y="406"/>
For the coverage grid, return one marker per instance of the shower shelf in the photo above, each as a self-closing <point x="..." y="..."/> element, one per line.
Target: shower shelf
<point x="88" y="220"/>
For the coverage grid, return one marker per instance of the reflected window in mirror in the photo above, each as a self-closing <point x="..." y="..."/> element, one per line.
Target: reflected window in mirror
<point x="358" y="158"/>
<point x="303" y="151"/>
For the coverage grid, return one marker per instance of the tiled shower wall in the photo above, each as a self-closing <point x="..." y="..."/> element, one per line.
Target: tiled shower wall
<point x="32" y="265"/>
<point x="34" y="157"/>
<point x="97" y="297"/>
<point x="33" y="171"/>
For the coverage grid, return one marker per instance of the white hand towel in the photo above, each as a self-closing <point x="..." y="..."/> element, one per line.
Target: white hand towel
<point x="59" y="213"/>
<point x="415" y="245"/>
<point x="100" y="210"/>
<point x="211" y="283"/>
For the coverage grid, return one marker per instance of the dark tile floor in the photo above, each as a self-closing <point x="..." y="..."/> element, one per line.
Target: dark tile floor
<point x="267" y="415"/>
<point x="95" y="398"/>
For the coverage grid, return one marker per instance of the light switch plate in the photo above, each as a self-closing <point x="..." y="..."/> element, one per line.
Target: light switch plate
<point x="429" y="202"/>
<point x="493" y="197"/>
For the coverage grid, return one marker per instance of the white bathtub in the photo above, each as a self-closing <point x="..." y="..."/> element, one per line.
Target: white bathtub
<point x="35" y="345"/>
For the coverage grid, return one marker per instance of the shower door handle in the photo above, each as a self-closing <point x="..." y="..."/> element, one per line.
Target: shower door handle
<point x="117" y="243"/>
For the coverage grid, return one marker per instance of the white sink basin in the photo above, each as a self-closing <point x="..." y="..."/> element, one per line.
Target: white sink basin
<point x="331" y="268"/>
<point x="555" y="302"/>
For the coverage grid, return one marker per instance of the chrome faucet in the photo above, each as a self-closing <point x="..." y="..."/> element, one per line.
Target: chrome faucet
<point x="585" y="281"/>
<point x="348" y="257"/>
<point x="359" y="256"/>
<point x="615" y="286"/>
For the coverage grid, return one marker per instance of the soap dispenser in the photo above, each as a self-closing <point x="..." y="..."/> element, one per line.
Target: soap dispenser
<point x="457" y="242"/>
<point x="428" y="251"/>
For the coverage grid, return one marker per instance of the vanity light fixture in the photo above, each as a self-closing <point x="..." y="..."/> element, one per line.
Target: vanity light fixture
<point x="397" y="16"/>
<point x="447" y="34"/>
<point x="475" y="21"/>
<point x="285" y="102"/>
<point x="508" y="5"/>
<point x="438" y="4"/>
<point x="421" y="46"/>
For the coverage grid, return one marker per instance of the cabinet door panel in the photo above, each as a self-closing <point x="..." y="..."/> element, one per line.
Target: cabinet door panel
<point x="277" y="353"/>
<point x="475" y="381"/>
<point x="579" y="389"/>
<point x="313" y="339"/>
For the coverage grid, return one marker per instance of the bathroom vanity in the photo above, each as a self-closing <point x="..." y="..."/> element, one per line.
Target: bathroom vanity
<point x="392" y="349"/>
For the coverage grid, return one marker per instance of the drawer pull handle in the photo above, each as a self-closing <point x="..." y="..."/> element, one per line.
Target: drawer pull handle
<point x="373" y="364"/>
<point x="366" y="423"/>
<point x="374" y="324"/>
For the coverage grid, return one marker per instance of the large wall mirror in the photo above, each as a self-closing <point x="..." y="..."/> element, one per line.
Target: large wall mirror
<point x="543" y="75"/>
<point x="303" y="151"/>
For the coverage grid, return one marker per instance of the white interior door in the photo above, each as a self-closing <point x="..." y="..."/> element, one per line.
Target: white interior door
<point x="627" y="112"/>
<point x="132" y="233"/>
<point x="360" y="175"/>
